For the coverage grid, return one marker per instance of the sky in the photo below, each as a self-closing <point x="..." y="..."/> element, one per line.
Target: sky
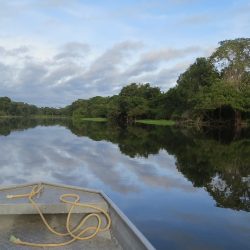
<point x="53" y="52"/>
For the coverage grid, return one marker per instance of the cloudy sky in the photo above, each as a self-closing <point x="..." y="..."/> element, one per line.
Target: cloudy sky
<point x="55" y="51"/>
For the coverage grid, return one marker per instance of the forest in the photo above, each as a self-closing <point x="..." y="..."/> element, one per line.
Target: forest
<point x="213" y="90"/>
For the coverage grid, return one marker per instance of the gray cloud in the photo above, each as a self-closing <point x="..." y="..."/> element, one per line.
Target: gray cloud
<point x="20" y="51"/>
<point x="72" y="73"/>
<point x="166" y="77"/>
<point x="72" y="50"/>
<point x="196" y="19"/>
<point x="150" y="61"/>
<point x="108" y="63"/>
<point x="6" y="74"/>
<point x="32" y="74"/>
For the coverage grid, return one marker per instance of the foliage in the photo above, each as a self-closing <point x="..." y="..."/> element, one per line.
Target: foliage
<point x="10" y="108"/>
<point x="137" y="101"/>
<point x="180" y="99"/>
<point x="233" y="60"/>
<point x="208" y="85"/>
<point x="222" y="80"/>
<point x="220" y="94"/>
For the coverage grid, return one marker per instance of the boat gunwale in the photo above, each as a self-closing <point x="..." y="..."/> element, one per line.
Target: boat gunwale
<point x="49" y="184"/>
<point x="127" y="221"/>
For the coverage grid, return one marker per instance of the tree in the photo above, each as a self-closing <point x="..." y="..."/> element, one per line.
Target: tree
<point x="232" y="58"/>
<point x="5" y="104"/>
<point x="200" y="74"/>
<point x="219" y="83"/>
<point x="137" y="101"/>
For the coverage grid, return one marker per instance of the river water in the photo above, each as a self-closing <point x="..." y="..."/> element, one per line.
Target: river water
<point x="184" y="189"/>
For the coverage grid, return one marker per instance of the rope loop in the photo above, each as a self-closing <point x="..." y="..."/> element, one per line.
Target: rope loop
<point x="77" y="233"/>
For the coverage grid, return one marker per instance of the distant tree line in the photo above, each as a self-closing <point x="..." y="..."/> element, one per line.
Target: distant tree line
<point x="214" y="89"/>
<point x="133" y="102"/>
<point x="11" y="108"/>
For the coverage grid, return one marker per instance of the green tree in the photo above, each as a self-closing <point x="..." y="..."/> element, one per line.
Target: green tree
<point x="138" y="101"/>
<point x="232" y="58"/>
<point x="179" y="99"/>
<point x="5" y="105"/>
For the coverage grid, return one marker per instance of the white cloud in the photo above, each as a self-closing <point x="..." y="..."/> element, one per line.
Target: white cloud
<point x="72" y="72"/>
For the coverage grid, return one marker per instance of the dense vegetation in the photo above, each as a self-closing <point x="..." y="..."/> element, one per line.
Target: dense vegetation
<point x="10" y="108"/>
<point x="212" y="90"/>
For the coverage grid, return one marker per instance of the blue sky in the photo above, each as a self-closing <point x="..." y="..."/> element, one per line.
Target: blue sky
<point x="55" y="51"/>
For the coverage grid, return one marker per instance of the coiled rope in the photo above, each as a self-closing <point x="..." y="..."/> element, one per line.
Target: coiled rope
<point x="76" y="233"/>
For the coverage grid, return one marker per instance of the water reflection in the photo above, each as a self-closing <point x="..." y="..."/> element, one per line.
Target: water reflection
<point x="52" y="152"/>
<point x="214" y="159"/>
<point x="163" y="178"/>
<point x="208" y="159"/>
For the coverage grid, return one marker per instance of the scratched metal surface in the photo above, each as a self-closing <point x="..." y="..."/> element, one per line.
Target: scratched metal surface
<point x="49" y="194"/>
<point x="30" y="228"/>
<point x="48" y="200"/>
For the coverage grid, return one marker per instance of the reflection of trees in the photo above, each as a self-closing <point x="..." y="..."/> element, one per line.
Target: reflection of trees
<point x="220" y="168"/>
<point x="9" y="125"/>
<point x="13" y="124"/>
<point x="206" y="159"/>
<point x="132" y="141"/>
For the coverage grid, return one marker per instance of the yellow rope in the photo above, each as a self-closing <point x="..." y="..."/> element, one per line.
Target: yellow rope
<point x="70" y="232"/>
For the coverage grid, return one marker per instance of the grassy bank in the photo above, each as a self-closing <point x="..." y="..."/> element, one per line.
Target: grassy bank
<point x="9" y="116"/>
<point x="95" y="119"/>
<point x="35" y="116"/>
<point x="157" y="122"/>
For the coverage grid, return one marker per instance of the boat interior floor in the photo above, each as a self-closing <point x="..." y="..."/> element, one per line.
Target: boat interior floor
<point x="31" y="228"/>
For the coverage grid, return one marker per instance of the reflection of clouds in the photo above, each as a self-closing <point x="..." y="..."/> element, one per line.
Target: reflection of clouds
<point x="54" y="154"/>
<point x="159" y="171"/>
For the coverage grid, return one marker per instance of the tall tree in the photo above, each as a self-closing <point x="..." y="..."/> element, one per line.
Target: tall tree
<point x="232" y="58"/>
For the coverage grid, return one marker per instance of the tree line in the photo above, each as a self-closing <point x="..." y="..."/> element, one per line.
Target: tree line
<point x="213" y="89"/>
<point x="11" y="108"/>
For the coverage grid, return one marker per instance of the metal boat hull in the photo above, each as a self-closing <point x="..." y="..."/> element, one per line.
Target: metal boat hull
<point x="19" y="217"/>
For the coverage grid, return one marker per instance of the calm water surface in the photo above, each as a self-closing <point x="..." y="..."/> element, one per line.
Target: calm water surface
<point x="183" y="189"/>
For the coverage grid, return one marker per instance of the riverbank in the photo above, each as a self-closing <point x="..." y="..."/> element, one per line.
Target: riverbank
<point x="149" y="122"/>
<point x="157" y="122"/>
<point x="9" y="116"/>
<point x="94" y="119"/>
<point x="35" y="117"/>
